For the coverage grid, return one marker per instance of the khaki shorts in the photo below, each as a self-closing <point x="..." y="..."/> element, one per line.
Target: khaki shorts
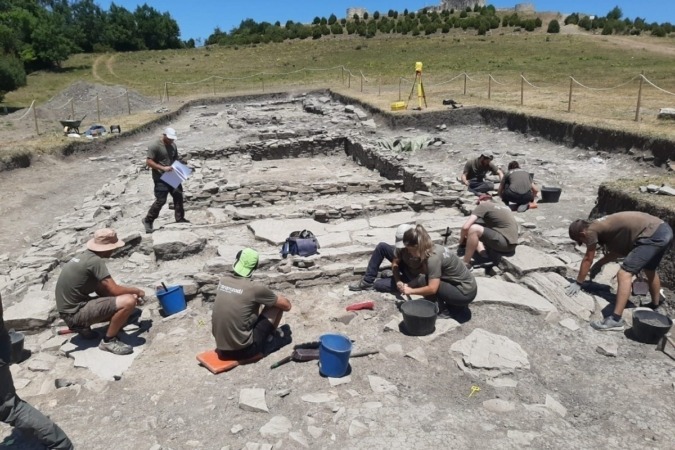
<point x="94" y="311"/>
<point x="496" y="241"/>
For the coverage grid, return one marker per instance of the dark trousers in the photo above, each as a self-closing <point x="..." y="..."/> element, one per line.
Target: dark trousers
<point x="451" y="296"/>
<point x="480" y="186"/>
<point x="162" y="191"/>
<point x="518" y="199"/>
<point x="21" y="415"/>
<point x="383" y="251"/>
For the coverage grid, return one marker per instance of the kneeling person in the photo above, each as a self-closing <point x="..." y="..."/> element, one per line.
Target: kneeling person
<point x="87" y="273"/>
<point x="239" y="326"/>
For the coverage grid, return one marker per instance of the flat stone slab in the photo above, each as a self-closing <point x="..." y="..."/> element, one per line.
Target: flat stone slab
<point x="372" y="237"/>
<point x="104" y="364"/>
<point x="176" y="244"/>
<point x="32" y="312"/>
<point x="527" y="259"/>
<point x="494" y="291"/>
<point x="276" y="427"/>
<point x="328" y="240"/>
<point x="552" y="286"/>
<point x="442" y="327"/>
<point x="253" y="399"/>
<point x="392" y="220"/>
<point x="275" y="231"/>
<point x="349" y="225"/>
<point x="319" y="397"/>
<point x="485" y="353"/>
<point x="381" y="386"/>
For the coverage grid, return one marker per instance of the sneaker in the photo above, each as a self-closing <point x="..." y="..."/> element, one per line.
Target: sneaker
<point x="147" y="225"/>
<point x="608" y="324"/>
<point x="523" y="207"/>
<point x="360" y="286"/>
<point x="183" y="220"/>
<point x="387" y="273"/>
<point x="116" y="347"/>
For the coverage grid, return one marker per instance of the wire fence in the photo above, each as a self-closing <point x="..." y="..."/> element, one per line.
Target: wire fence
<point x="627" y="100"/>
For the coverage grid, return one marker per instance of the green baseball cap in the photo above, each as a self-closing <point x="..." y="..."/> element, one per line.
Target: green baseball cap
<point x="247" y="261"/>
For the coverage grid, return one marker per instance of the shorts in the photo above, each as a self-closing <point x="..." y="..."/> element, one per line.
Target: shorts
<point x="648" y="252"/>
<point x="518" y="199"/>
<point x="496" y="241"/>
<point x="94" y="311"/>
<point x="262" y="329"/>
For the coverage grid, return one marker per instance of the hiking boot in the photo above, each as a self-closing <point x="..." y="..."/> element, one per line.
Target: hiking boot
<point x="608" y="324"/>
<point x="183" y="220"/>
<point x="361" y="286"/>
<point x="147" y="225"/>
<point x="116" y="347"/>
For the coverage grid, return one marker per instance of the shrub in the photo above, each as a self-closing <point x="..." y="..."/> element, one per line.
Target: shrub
<point x="658" y="31"/>
<point x="12" y="74"/>
<point x="553" y="27"/>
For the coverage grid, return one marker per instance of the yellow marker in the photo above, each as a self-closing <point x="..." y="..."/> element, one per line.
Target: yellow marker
<point x="474" y="389"/>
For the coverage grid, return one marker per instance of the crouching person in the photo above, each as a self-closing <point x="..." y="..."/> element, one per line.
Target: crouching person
<point x="245" y="314"/>
<point x="86" y="273"/>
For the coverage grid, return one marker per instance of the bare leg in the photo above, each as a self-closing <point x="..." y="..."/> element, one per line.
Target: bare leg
<point x="273" y="314"/>
<point x="623" y="291"/>
<point x="654" y="286"/>
<point x="473" y="242"/>
<point x="125" y="306"/>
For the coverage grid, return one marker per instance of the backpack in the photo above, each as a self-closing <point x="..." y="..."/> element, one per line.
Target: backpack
<point x="300" y="243"/>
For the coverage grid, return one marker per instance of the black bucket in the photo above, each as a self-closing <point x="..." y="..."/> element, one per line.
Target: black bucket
<point x="419" y="317"/>
<point x="550" y="194"/>
<point x="650" y="326"/>
<point x="17" y="339"/>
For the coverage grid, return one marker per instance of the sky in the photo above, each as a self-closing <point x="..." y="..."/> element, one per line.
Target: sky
<point x="198" y="18"/>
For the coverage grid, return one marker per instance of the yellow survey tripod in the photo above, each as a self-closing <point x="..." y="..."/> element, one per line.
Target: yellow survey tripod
<point x="420" y="87"/>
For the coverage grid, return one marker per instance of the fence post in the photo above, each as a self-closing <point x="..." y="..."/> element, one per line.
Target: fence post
<point x="569" y="102"/>
<point x="214" y="87"/>
<point x="379" y="87"/>
<point x="37" y="130"/>
<point x="128" y="102"/>
<point x="98" y="108"/>
<point x="362" y="82"/>
<point x="349" y="79"/>
<point x="343" y="75"/>
<point x="166" y="91"/>
<point x="637" y="110"/>
<point x="522" y="88"/>
<point x="72" y="109"/>
<point x="489" y="86"/>
<point x="399" y="89"/>
<point x="464" y="83"/>
<point x="262" y="80"/>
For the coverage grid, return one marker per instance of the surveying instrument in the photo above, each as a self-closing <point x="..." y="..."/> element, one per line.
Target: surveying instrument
<point x="420" y="87"/>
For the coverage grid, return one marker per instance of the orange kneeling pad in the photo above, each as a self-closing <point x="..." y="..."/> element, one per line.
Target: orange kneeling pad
<point x="212" y="361"/>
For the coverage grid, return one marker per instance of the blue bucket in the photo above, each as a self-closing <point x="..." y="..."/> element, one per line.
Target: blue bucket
<point x="334" y="353"/>
<point x="172" y="300"/>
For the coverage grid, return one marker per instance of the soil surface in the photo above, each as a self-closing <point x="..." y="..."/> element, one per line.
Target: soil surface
<point x="165" y="400"/>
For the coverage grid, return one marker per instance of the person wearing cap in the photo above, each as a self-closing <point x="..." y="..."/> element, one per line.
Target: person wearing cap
<point x="475" y="170"/>
<point x="160" y="156"/>
<point x="391" y="253"/>
<point x="517" y="187"/>
<point x="16" y="412"/>
<point x="489" y="225"/>
<point x="445" y="279"/>
<point x="241" y="329"/>
<point x="85" y="274"/>
<point x="640" y="238"/>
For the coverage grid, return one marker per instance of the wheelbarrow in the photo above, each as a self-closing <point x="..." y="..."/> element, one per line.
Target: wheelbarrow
<point x="72" y="126"/>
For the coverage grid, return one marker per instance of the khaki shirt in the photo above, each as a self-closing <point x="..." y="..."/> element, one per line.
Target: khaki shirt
<point x="162" y="154"/>
<point x="236" y="310"/>
<point x="79" y="277"/>
<point x="474" y="170"/>
<point x="498" y="218"/>
<point x="448" y="267"/>
<point x="617" y="233"/>
<point x="517" y="181"/>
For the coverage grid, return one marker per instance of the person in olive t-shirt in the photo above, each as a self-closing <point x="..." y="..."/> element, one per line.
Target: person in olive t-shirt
<point x="15" y="412"/>
<point x="497" y="229"/>
<point x="473" y="175"/>
<point x="639" y="238"/>
<point x="517" y="187"/>
<point x="448" y="281"/>
<point x="86" y="273"/>
<point x="239" y="326"/>
<point x="161" y="154"/>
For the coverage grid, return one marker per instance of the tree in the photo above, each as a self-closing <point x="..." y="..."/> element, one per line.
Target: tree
<point x="50" y="45"/>
<point x="157" y="31"/>
<point x="615" y="14"/>
<point x="376" y="15"/>
<point x="332" y="19"/>
<point x="572" y="19"/>
<point x="553" y="27"/>
<point x="121" y="33"/>
<point x="89" y="23"/>
<point x="12" y="74"/>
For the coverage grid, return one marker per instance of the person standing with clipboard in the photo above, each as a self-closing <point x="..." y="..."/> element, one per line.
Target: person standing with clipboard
<point x="161" y="155"/>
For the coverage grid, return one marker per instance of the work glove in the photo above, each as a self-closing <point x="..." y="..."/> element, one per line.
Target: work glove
<point x="595" y="270"/>
<point x="573" y="289"/>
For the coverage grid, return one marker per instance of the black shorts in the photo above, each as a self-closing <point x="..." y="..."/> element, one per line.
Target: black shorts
<point x="648" y="252"/>
<point x="496" y="241"/>
<point x="262" y="329"/>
